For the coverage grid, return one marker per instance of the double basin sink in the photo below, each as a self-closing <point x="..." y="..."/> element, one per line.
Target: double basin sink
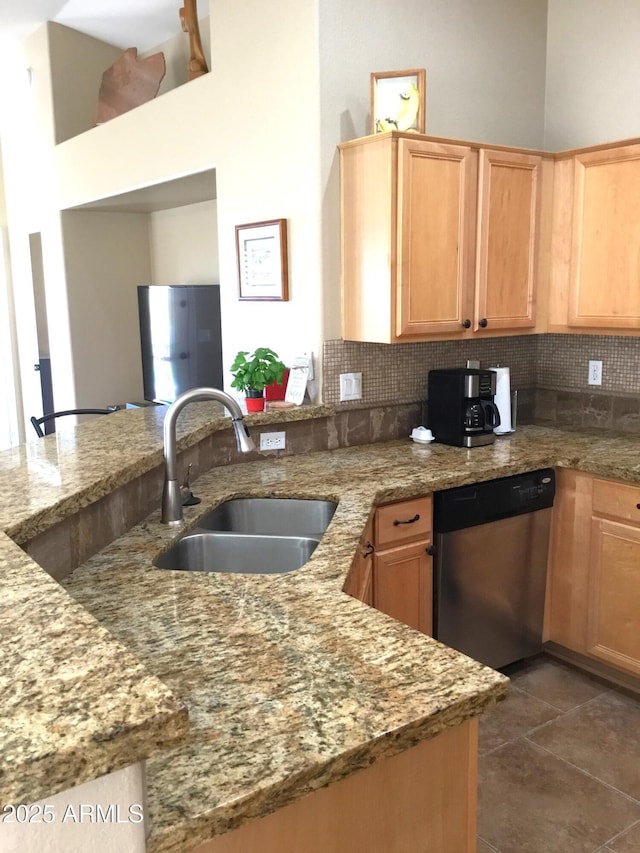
<point x="252" y="536"/>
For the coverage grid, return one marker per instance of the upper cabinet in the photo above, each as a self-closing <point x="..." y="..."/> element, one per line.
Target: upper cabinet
<point x="439" y="239"/>
<point x="596" y="267"/>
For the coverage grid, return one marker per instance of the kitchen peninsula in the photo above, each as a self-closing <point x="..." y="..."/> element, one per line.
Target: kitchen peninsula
<point x="289" y="683"/>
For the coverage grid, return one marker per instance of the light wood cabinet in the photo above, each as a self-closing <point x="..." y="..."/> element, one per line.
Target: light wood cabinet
<point x="593" y="592"/>
<point x="613" y="624"/>
<point x="596" y="265"/>
<point x="422" y="799"/>
<point x="508" y="240"/>
<point x="359" y="583"/>
<point x="440" y="239"/>
<point x="402" y="563"/>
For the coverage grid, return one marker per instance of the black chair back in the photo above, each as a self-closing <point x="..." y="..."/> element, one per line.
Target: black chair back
<point x="37" y="422"/>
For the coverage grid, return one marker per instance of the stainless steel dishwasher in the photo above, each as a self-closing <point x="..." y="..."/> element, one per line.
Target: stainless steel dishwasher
<point x="491" y="544"/>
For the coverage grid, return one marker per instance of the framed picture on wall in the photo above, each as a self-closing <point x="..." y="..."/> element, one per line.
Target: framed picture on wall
<point x="261" y="249"/>
<point x="398" y="100"/>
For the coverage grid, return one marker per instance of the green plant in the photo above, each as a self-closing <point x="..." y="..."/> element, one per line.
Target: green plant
<point x="262" y="368"/>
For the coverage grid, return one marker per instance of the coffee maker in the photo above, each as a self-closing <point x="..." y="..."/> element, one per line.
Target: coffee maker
<point x="461" y="407"/>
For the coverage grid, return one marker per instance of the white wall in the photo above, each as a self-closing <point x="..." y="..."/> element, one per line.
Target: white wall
<point x="72" y="823"/>
<point x="485" y="66"/>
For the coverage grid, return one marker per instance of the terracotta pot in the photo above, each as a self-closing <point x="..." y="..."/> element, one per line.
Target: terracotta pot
<point x="254" y="400"/>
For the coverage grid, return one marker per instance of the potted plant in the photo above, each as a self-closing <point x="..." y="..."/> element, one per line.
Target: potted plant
<point x="252" y="373"/>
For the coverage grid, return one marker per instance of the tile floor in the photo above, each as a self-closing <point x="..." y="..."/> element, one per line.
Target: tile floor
<point x="559" y="768"/>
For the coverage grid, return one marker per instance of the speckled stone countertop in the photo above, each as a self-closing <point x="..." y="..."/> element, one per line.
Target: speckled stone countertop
<point x="289" y="682"/>
<point x="74" y="703"/>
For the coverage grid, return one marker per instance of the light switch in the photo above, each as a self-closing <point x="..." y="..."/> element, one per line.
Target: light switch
<point x="350" y="386"/>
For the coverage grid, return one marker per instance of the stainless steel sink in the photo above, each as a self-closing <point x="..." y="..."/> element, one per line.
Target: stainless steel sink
<point x="238" y="553"/>
<point x="271" y="516"/>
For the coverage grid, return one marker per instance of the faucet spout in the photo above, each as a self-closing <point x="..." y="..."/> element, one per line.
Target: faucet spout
<point x="171" y="497"/>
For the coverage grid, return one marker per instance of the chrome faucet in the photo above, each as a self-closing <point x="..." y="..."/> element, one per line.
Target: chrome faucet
<point x="171" y="494"/>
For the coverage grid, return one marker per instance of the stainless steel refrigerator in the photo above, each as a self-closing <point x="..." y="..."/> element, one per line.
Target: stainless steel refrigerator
<point x="180" y="338"/>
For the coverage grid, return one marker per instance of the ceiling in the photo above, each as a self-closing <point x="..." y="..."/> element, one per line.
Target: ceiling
<point x="124" y="23"/>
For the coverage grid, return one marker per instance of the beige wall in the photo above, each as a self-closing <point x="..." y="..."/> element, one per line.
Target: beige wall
<point x="485" y="66"/>
<point x="289" y="81"/>
<point x="106" y="257"/>
<point x="266" y="106"/>
<point x="593" y="72"/>
<point x="80" y="62"/>
<point x="184" y="245"/>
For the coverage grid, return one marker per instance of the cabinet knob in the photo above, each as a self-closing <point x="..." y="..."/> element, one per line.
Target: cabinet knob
<point x="416" y="517"/>
<point x="638" y="506"/>
<point x="368" y="549"/>
<point x="466" y="324"/>
<point x="483" y="323"/>
<point x="431" y="550"/>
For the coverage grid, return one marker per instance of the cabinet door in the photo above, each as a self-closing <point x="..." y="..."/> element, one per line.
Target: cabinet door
<point x="403" y="585"/>
<point x="567" y="574"/>
<point x="614" y="594"/>
<point x="359" y="584"/>
<point x="508" y="229"/>
<point x="436" y="237"/>
<point x="605" y="262"/>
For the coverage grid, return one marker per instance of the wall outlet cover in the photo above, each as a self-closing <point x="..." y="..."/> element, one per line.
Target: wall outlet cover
<point x="272" y="441"/>
<point x="595" y="373"/>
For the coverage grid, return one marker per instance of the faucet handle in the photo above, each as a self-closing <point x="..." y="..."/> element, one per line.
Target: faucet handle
<point x="186" y="495"/>
<point x="186" y="483"/>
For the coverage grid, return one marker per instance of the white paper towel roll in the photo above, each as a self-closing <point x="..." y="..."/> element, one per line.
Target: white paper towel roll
<point x="503" y="399"/>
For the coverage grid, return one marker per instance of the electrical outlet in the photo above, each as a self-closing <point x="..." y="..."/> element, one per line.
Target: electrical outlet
<point x="595" y="373"/>
<point x="272" y="440"/>
<point x="350" y="386"/>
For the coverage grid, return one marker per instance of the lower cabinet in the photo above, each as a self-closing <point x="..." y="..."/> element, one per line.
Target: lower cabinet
<point x="593" y="604"/>
<point x="360" y="581"/>
<point x="403" y="584"/>
<point x="392" y="569"/>
<point x="613" y="623"/>
<point x="422" y="799"/>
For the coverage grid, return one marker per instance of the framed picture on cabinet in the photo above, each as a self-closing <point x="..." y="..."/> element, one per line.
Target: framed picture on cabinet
<point x="261" y="249"/>
<point x="398" y="100"/>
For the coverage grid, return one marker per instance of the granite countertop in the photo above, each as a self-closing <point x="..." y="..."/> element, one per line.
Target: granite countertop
<point x="289" y="683"/>
<point x="75" y="703"/>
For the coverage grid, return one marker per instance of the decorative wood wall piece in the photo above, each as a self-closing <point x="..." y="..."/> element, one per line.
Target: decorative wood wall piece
<point x="189" y="20"/>
<point x="128" y="83"/>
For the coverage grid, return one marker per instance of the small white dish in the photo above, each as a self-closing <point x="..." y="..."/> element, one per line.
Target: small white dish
<point x="421" y="435"/>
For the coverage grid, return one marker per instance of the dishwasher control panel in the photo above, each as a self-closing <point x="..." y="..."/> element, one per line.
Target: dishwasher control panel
<point x="491" y="500"/>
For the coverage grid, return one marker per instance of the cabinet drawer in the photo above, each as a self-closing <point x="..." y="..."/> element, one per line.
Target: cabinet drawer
<point x="617" y="500"/>
<point x="402" y="522"/>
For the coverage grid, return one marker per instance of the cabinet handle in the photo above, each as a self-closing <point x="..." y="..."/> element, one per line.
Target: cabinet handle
<point x="638" y="506"/>
<point x="416" y="517"/>
<point x="466" y="324"/>
<point x="431" y="550"/>
<point x="483" y="323"/>
<point x="368" y="549"/>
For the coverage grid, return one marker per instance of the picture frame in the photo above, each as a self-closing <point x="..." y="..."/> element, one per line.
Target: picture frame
<point x="263" y="270"/>
<point x="398" y="100"/>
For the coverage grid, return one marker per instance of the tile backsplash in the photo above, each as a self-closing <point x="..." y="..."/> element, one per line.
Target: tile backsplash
<point x="549" y="370"/>
<point x="397" y="373"/>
